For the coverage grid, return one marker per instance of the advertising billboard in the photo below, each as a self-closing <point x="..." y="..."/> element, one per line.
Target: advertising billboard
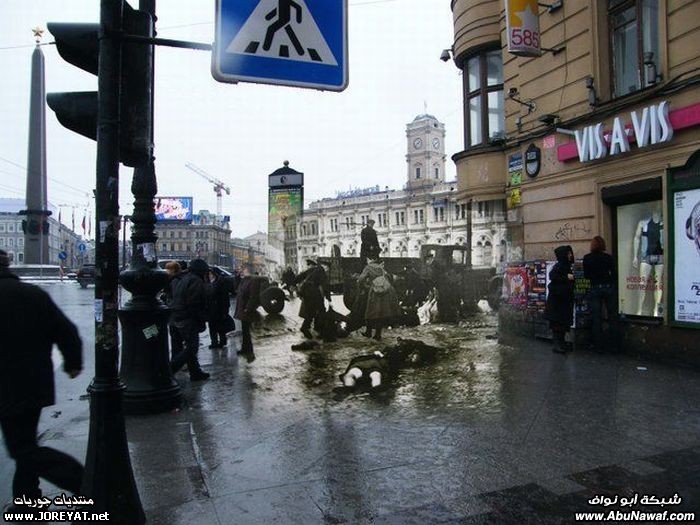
<point x="686" y="278"/>
<point x="173" y="209"/>
<point x="283" y="203"/>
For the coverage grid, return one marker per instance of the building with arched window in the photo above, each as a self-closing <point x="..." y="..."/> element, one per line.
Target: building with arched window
<point x="595" y="133"/>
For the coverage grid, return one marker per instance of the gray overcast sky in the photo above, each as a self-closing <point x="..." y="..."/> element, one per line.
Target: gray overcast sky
<point x="240" y="133"/>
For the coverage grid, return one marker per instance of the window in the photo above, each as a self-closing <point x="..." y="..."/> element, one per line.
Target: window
<point x="334" y="225"/>
<point x="179" y="234"/>
<point x="164" y="247"/>
<point x="303" y="229"/>
<point x="634" y="43"/>
<point x="348" y="222"/>
<point x="400" y="217"/>
<point x="437" y="173"/>
<point x="488" y="253"/>
<point x="11" y="228"/>
<point x="2" y="241"/>
<point x="483" y="99"/>
<point x="313" y="228"/>
<point x="11" y="242"/>
<point x="438" y="213"/>
<point x="417" y="172"/>
<point x="461" y="211"/>
<point x="640" y="258"/>
<point x="2" y="227"/>
<point x="20" y="257"/>
<point x="484" y="209"/>
<point x="381" y="220"/>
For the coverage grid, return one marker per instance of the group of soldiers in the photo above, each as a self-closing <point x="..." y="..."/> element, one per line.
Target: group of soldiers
<point x="375" y="304"/>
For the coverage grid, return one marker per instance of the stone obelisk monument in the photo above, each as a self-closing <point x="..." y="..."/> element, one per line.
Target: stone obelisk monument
<point x="36" y="242"/>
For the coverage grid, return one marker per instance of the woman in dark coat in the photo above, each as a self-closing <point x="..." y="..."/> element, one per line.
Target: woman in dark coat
<point x="219" y="303"/>
<point x="560" y="299"/>
<point x="382" y="301"/>
<point x="312" y="285"/>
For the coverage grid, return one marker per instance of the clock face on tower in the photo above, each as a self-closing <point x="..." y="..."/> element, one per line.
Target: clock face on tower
<point x="417" y="143"/>
<point x="436" y="143"/>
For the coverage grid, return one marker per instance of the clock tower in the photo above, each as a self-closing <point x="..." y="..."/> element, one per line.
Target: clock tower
<point x="426" y="151"/>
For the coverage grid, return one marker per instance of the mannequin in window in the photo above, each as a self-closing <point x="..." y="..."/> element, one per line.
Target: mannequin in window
<point x="648" y="257"/>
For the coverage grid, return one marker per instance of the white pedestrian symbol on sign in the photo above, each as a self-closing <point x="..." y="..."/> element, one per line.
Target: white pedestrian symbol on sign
<point x="295" y="38"/>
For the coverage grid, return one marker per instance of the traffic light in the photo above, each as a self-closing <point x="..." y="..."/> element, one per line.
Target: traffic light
<point x="78" y="44"/>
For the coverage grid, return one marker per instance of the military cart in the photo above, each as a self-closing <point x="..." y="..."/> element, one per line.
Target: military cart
<point x="439" y="266"/>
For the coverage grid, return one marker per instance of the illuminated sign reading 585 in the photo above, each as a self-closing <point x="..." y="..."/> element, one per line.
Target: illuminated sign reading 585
<point x="523" y="27"/>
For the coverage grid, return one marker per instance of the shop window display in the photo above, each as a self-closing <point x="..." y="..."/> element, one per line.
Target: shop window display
<point x="640" y="255"/>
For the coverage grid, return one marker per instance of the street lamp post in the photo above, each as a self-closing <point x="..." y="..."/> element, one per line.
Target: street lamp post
<point x="145" y="366"/>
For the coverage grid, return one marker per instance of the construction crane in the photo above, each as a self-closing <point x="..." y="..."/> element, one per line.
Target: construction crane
<point x="219" y="186"/>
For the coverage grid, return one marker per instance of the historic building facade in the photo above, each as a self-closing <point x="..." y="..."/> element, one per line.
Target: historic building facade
<point x="61" y="238"/>
<point x="428" y="210"/>
<point x="208" y="237"/>
<point x="595" y="137"/>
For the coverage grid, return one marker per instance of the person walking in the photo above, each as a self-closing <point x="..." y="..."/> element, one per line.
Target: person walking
<point x="218" y="303"/>
<point x="172" y="268"/>
<point x="599" y="268"/>
<point x="30" y="324"/>
<point x="382" y="301"/>
<point x="313" y="288"/>
<point x="559" y="309"/>
<point x="247" y="302"/>
<point x="188" y="317"/>
<point x="369" y="247"/>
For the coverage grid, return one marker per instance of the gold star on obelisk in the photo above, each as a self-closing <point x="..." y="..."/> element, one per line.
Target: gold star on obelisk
<point x="38" y="33"/>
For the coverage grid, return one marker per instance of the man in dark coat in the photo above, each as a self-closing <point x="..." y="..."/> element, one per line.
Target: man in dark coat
<point x="247" y="302"/>
<point x="369" y="247"/>
<point x="30" y="324"/>
<point x="559" y="310"/>
<point x="219" y="303"/>
<point x="188" y="317"/>
<point x="288" y="277"/>
<point x="313" y="287"/>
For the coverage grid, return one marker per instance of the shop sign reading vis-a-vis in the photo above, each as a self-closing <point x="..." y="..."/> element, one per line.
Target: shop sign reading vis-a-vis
<point x="300" y="43"/>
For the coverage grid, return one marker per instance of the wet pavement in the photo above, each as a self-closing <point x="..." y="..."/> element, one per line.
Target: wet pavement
<point x="490" y="433"/>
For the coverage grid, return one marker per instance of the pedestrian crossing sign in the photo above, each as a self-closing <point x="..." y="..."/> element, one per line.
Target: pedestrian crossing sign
<point x="301" y="43"/>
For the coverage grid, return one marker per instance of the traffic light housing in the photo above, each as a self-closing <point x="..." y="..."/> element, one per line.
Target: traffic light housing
<point x="78" y="44"/>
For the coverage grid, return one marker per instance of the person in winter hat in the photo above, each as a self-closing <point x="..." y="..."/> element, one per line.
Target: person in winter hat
<point x="559" y="310"/>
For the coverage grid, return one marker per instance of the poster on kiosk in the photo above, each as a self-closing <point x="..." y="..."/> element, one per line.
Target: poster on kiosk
<point x="686" y="210"/>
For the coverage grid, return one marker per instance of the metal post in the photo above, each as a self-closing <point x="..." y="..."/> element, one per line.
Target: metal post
<point x="109" y="479"/>
<point x="145" y="366"/>
<point x="124" y="219"/>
